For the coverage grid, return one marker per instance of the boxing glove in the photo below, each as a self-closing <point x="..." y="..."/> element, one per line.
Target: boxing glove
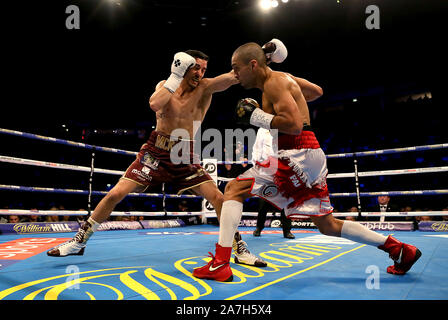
<point x="181" y="63"/>
<point x="275" y="51"/>
<point x="248" y="111"/>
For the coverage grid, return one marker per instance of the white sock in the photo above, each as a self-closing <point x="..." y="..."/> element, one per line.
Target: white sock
<point x="231" y="213"/>
<point x="357" y="232"/>
<point x="89" y="229"/>
<point x="93" y="223"/>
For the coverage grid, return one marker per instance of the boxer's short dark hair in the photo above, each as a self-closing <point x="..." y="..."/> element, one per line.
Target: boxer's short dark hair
<point x="197" y="54"/>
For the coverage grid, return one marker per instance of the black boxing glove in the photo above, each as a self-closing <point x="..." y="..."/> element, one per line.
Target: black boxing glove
<point x="248" y="111"/>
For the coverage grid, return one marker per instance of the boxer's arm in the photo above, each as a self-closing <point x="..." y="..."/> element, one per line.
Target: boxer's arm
<point x="310" y="90"/>
<point x="221" y="82"/>
<point x="287" y="117"/>
<point x="160" y="97"/>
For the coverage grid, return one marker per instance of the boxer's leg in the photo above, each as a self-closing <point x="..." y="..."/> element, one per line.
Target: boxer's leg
<point x="232" y="209"/>
<point x="218" y="268"/>
<point x="404" y="255"/>
<point x="102" y="211"/>
<point x="261" y="217"/>
<point x="114" y="197"/>
<point x="242" y="254"/>
<point x="354" y="231"/>
<point x="213" y="195"/>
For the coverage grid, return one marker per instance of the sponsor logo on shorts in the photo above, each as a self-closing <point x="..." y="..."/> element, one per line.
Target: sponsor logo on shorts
<point x="164" y="143"/>
<point x="149" y="161"/>
<point x="141" y="175"/>
<point x="269" y="191"/>
<point x="325" y="207"/>
<point x="295" y="180"/>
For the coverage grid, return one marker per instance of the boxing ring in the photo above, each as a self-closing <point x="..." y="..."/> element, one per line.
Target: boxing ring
<point x="153" y="259"/>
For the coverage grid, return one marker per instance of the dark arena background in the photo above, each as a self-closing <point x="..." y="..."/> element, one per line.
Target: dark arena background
<point x="383" y="84"/>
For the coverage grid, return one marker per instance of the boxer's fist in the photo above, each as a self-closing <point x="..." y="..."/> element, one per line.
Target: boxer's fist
<point x="275" y="51"/>
<point x="181" y="63"/>
<point x="248" y="111"/>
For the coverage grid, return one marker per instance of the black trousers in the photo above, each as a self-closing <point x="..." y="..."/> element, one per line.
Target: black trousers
<point x="262" y="212"/>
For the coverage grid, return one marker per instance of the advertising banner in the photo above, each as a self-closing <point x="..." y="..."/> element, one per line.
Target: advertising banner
<point x="158" y="224"/>
<point x="389" y="226"/>
<point x="437" y="226"/>
<point x="38" y="227"/>
<point x="119" y="225"/>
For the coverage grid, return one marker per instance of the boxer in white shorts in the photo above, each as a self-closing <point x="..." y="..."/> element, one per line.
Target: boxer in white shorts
<point x="295" y="179"/>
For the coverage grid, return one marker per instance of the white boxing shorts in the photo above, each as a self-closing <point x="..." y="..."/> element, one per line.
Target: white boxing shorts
<point x="295" y="181"/>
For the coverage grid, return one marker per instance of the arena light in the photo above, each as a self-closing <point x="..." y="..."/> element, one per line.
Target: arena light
<point x="265" y="4"/>
<point x="113" y="2"/>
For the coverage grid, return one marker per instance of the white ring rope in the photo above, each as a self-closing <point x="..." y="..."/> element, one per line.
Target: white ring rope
<point x="24" y="212"/>
<point x="56" y="165"/>
<point x="116" y="172"/>
<point x="96" y="193"/>
<point x="113" y="150"/>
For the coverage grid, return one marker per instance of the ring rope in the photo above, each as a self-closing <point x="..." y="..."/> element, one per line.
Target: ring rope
<point x="24" y="212"/>
<point x="391" y="193"/>
<point x="376" y="173"/>
<point x="389" y="151"/>
<point x="57" y="165"/>
<point x="117" y="172"/>
<point x="158" y="195"/>
<point x="95" y="193"/>
<point x="133" y="153"/>
<point x="65" y="142"/>
<point x="390" y="214"/>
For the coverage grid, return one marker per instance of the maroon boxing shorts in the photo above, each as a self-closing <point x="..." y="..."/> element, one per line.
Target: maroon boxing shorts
<point x="153" y="165"/>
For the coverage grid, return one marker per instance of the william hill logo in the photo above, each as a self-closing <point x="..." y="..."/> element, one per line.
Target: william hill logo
<point x="440" y="226"/>
<point x="24" y="228"/>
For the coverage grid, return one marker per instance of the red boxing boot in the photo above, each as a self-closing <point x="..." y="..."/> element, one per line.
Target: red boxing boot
<point x="218" y="268"/>
<point x="404" y="255"/>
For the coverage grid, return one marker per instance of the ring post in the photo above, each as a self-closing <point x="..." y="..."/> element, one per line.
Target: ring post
<point x="164" y="199"/>
<point x="358" y="196"/>
<point x="89" y="197"/>
<point x="211" y="167"/>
